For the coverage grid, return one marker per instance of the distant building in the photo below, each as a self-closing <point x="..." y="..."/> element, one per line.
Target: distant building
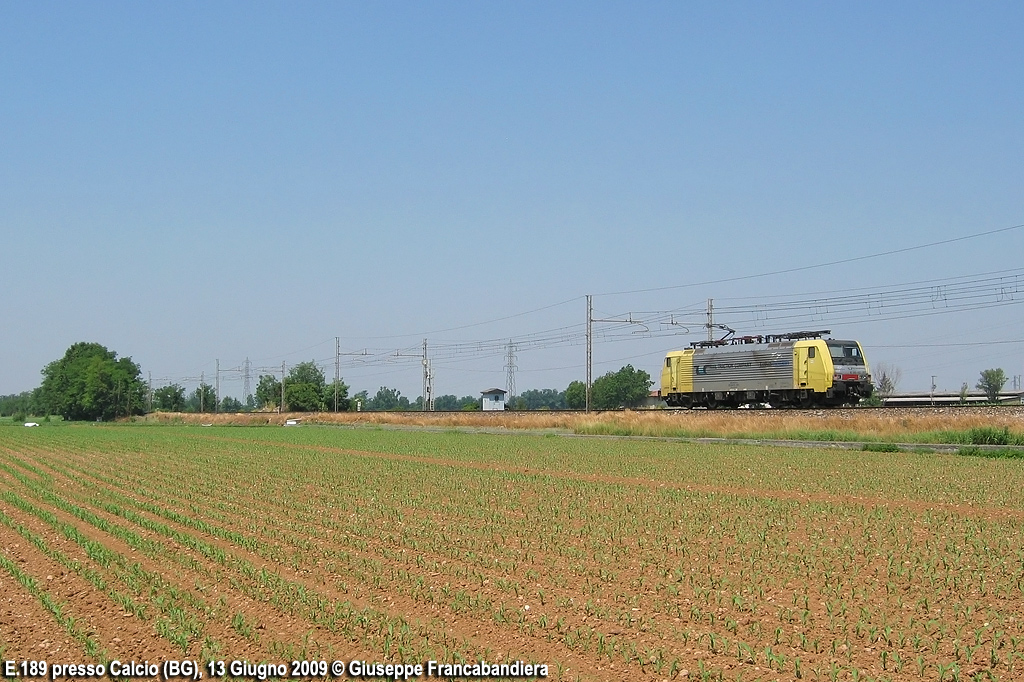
<point x="493" y="399"/>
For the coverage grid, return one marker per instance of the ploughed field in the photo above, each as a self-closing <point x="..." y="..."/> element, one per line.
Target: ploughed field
<point x="604" y="559"/>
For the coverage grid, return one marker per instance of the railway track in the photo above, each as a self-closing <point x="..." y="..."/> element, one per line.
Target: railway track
<point x="923" y="409"/>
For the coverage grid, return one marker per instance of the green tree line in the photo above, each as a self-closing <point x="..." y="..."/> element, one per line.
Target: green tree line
<point x="90" y="382"/>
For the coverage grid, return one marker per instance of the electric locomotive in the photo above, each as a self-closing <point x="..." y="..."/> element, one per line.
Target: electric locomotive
<point x="799" y="369"/>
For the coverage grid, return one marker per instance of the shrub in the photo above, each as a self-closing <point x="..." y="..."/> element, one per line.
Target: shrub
<point x="873" y="400"/>
<point x="990" y="435"/>
<point x="881" y="447"/>
<point x="974" y="451"/>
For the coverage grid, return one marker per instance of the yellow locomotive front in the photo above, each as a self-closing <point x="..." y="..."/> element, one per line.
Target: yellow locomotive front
<point x="851" y="377"/>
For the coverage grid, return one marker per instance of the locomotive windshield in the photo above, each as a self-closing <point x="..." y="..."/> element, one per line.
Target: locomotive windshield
<point x="845" y="353"/>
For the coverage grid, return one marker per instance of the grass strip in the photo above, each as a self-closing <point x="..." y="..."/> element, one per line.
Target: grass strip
<point x="972" y="451"/>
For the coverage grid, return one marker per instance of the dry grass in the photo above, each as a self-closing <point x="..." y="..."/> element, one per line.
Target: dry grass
<point x="884" y="424"/>
<point x="852" y="424"/>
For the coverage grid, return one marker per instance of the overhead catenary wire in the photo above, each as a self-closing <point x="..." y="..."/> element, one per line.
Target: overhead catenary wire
<point x="804" y="268"/>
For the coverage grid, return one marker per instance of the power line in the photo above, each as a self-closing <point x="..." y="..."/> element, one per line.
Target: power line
<point x="804" y="268"/>
<point x="949" y="345"/>
<point x="471" y="325"/>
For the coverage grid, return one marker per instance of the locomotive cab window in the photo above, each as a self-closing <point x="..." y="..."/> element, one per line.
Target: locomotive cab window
<point x="845" y="353"/>
<point x="810" y="352"/>
<point x="668" y="362"/>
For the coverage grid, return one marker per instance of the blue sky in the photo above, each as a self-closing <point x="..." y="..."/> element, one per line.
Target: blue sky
<point x="193" y="182"/>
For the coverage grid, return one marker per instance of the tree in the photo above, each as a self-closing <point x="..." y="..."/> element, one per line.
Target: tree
<point x="887" y="378"/>
<point x="229" y="404"/>
<point x="450" y="403"/>
<point x="303" y="398"/>
<point x="386" y="399"/>
<point x="576" y="395"/>
<point x="268" y="392"/>
<point x="170" y="398"/>
<point x="343" y="402"/>
<point x="542" y="399"/>
<point x="626" y="388"/>
<point x="90" y="382"/>
<point x="304" y="389"/>
<point x="19" y="404"/>
<point x="306" y="373"/>
<point x="992" y="382"/>
<point x="446" y="403"/>
<point x="203" y="399"/>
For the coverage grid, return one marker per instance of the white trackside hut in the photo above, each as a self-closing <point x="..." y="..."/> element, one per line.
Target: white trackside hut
<point x="493" y="399"/>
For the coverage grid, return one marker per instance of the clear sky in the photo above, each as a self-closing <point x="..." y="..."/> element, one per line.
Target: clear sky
<point x="190" y="182"/>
